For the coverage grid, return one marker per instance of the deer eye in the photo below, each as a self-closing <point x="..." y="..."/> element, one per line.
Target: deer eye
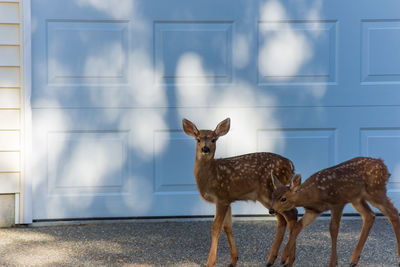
<point x="283" y="199"/>
<point x="213" y="140"/>
<point x="198" y="140"/>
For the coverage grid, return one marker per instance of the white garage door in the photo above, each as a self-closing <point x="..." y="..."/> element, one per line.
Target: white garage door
<point x="316" y="81"/>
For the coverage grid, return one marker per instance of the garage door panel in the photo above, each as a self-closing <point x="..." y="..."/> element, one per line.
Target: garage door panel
<point x="80" y="159"/>
<point x="79" y="162"/>
<point x="82" y="63"/>
<point x="310" y="149"/>
<point x="204" y="54"/>
<point x="293" y="52"/>
<point x="379" y="51"/>
<point x="87" y="52"/>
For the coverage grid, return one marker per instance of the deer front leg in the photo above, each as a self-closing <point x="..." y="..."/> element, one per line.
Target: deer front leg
<point x="336" y="215"/>
<point x="229" y="234"/>
<point x="216" y="228"/>
<point x="291" y="218"/>
<point x="290" y="247"/>
<point x="280" y="232"/>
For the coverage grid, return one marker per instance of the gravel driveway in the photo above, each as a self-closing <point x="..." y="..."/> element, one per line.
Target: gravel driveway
<point x="184" y="243"/>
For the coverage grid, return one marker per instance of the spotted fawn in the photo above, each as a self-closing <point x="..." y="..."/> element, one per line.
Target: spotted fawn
<point x="246" y="177"/>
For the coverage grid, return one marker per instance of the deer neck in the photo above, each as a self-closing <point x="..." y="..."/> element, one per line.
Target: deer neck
<point x="204" y="170"/>
<point x="299" y="197"/>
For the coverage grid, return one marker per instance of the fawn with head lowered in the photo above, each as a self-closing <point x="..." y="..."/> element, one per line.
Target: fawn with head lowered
<point x="223" y="181"/>
<point x="357" y="181"/>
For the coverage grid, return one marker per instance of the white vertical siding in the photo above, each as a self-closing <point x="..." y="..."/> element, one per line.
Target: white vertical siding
<point x="10" y="96"/>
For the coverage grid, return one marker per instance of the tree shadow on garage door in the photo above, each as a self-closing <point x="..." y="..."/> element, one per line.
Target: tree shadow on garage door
<point x="111" y="83"/>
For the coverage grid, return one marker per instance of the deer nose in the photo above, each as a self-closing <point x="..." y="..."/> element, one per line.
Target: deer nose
<point x="271" y="211"/>
<point x="205" y="149"/>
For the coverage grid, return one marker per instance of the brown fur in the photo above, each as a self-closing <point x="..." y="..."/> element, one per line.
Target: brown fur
<point x="355" y="181"/>
<point x="245" y="177"/>
<point x="242" y="177"/>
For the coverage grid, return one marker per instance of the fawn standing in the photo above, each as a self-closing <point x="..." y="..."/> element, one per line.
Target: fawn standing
<point x="355" y="181"/>
<point x="246" y="177"/>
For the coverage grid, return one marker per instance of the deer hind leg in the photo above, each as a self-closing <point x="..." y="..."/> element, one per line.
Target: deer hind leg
<point x="368" y="217"/>
<point x="384" y="204"/>
<point x="336" y="215"/>
<point x="221" y="210"/>
<point x="229" y="234"/>
<point x="276" y="244"/>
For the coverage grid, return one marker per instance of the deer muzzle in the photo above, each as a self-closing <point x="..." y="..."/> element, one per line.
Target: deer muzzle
<point x="205" y="149"/>
<point x="271" y="211"/>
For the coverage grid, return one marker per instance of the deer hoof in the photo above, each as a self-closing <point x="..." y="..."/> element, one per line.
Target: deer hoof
<point x="231" y="265"/>
<point x="269" y="264"/>
<point x="353" y="264"/>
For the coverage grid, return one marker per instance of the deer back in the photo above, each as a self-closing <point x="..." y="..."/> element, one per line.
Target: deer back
<point x="348" y="180"/>
<point x="246" y="177"/>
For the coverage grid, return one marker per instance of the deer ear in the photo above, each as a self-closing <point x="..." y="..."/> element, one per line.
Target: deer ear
<point x="189" y="128"/>
<point x="275" y="182"/>
<point x="223" y="127"/>
<point x="296" y="181"/>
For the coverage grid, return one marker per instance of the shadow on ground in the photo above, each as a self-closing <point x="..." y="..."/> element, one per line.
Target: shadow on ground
<point x="183" y="244"/>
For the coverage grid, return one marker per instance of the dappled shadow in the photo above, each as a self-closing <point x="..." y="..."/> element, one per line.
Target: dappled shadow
<point x="379" y="250"/>
<point x="93" y="154"/>
<point x="111" y="84"/>
<point x="183" y="244"/>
